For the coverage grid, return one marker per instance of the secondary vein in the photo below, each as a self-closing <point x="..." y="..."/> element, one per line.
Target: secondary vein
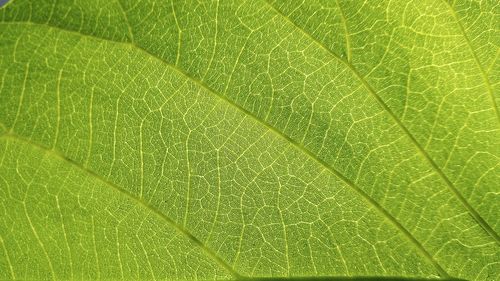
<point x="122" y="191"/>
<point x="476" y="59"/>
<point x="486" y="227"/>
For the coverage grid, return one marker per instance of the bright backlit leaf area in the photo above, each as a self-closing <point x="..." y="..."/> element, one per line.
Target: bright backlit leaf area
<point x="249" y="139"/>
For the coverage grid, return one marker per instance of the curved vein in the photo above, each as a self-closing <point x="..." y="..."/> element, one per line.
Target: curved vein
<point x="129" y="27"/>
<point x="486" y="227"/>
<point x="9" y="263"/>
<point x="419" y="247"/>
<point x="209" y="252"/>
<point x="476" y="60"/>
<point x="347" y="37"/>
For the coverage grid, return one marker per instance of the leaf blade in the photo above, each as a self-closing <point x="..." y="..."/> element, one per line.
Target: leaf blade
<point x="291" y="134"/>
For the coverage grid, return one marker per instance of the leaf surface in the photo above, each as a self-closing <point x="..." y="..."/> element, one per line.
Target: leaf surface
<point x="249" y="139"/>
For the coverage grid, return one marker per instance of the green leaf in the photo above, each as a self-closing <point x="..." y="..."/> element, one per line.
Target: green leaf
<point x="249" y="139"/>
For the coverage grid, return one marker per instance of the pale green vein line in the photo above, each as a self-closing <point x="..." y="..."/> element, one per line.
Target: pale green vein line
<point x="120" y="262"/>
<point x="209" y="252"/>
<point x="2" y="81"/>
<point x="95" y="250"/>
<point x="494" y="61"/>
<point x="419" y="247"/>
<point x="148" y="261"/>
<point x="9" y="263"/>
<point x="141" y="156"/>
<point x="129" y="27"/>
<point x="52" y="9"/>
<point x="215" y="39"/>
<point x="58" y="105"/>
<point x="179" y="35"/>
<point x="61" y="217"/>
<point x="58" y="94"/>
<point x="21" y="98"/>
<point x="347" y="37"/>
<point x="188" y="192"/>
<point x="285" y="238"/>
<point x="476" y="60"/>
<point x="114" y="135"/>
<point x="487" y="228"/>
<point x="91" y="105"/>
<point x="40" y="243"/>
<point x="219" y="192"/>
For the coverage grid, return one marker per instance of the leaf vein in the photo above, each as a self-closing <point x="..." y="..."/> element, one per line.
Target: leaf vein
<point x="476" y="59"/>
<point x="486" y="227"/>
<point x="125" y="193"/>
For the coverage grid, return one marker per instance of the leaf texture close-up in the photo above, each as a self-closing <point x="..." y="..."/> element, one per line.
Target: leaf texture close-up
<point x="249" y="139"/>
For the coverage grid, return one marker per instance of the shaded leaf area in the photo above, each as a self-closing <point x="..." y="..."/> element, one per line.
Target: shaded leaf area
<point x="235" y="140"/>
